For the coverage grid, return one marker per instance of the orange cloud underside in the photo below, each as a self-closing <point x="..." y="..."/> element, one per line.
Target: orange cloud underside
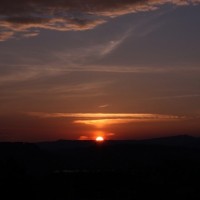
<point x="87" y="15"/>
<point x="100" y="123"/>
<point x="103" y="115"/>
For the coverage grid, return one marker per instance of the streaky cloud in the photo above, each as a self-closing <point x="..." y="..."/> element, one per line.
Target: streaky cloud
<point x="176" y="97"/>
<point x="103" y="115"/>
<point x="101" y="120"/>
<point x="100" y="123"/>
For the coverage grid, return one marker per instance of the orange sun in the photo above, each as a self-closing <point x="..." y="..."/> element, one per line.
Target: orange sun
<point x="99" y="139"/>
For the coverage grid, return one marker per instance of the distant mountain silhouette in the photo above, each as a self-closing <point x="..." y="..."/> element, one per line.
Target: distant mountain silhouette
<point x="180" y="140"/>
<point x="160" y="167"/>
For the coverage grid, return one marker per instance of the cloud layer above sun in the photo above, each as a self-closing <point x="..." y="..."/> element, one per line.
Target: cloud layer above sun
<point x="27" y="17"/>
<point x="101" y="120"/>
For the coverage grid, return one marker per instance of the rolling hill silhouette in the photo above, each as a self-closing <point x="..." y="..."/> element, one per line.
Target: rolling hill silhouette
<point x="162" y="167"/>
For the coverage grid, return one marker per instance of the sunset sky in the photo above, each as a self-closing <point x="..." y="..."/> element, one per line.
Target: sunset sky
<point x="78" y="69"/>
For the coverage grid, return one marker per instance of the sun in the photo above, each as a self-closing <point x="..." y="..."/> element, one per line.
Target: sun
<point x="99" y="139"/>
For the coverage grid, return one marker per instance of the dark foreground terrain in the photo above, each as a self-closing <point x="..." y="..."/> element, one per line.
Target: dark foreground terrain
<point x="75" y="170"/>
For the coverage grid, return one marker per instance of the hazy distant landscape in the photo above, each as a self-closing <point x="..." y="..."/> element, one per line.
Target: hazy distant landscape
<point x="164" y="167"/>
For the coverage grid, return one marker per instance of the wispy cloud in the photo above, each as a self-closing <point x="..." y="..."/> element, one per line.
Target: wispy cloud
<point x="113" y="44"/>
<point x="131" y="69"/>
<point x="64" y="15"/>
<point x="102" y="115"/>
<point x="100" y="123"/>
<point x="13" y="74"/>
<point x="4" y="35"/>
<point x="77" y="57"/>
<point x="17" y="73"/>
<point x="103" y="119"/>
<point x="176" y="97"/>
<point x="28" y="34"/>
<point x="104" y="106"/>
<point x="54" y="91"/>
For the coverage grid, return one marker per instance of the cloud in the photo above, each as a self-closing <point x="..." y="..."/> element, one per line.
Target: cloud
<point x="98" y="115"/>
<point x="104" y="106"/>
<point x="52" y="90"/>
<point x="65" y="15"/>
<point x="113" y="44"/>
<point x="79" y="59"/>
<point x="176" y="97"/>
<point x="100" y="123"/>
<point x="30" y="34"/>
<point x="4" y="35"/>
<point x="27" y="73"/>
<point x="132" y="69"/>
<point x="84" y="137"/>
<point x="101" y="120"/>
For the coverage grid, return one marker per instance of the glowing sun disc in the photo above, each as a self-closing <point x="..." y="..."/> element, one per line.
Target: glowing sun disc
<point x="99" y="139"/>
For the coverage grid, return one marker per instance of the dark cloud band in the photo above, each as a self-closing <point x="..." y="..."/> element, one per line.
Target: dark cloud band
<point x="27" y="16"/>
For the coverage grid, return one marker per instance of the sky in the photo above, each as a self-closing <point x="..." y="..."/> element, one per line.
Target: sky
<point x="78" y="69"/>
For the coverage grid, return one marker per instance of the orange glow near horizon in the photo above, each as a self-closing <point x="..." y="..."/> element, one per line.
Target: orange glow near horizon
<point x="99" y="139"/>
<point x="96" y="135"/>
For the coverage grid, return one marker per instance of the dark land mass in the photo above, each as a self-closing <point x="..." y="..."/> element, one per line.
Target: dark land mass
<point x="82" y="170"/>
